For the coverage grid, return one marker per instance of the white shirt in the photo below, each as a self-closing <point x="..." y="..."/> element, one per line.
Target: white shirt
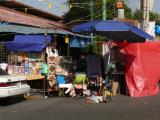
<point x="50" y="53"/>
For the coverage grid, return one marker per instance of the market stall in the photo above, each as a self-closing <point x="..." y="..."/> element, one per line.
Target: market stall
<point x="29" y="53"/>
<point x="141" y="72"/>
<point x="117" y="31"/>
<point x="26" y="55"/>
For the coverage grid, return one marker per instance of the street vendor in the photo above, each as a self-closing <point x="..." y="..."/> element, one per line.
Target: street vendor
<point x="51" y="50"/>
<point x="52" y="54"/>
<point x="116" y="69"/>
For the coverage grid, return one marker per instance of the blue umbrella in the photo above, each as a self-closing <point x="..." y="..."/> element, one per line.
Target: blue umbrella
<point x="114" y="30"/>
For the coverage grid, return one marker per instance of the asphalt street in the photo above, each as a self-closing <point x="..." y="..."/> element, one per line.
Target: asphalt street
<point x="66" y="108"/>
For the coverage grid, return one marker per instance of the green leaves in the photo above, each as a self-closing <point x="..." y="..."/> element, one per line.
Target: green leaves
<point x="138" y="15"/>
<point x="81" y="11"/>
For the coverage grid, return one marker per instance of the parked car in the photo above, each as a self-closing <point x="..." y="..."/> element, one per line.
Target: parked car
<point x="12" y="85"/>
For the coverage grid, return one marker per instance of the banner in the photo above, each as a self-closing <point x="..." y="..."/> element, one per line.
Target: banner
<point x="142" y="68"/>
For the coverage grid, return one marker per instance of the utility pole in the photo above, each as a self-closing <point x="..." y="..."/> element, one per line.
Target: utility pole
<point x="104" y="14"/>
<point x="145" y="7"/>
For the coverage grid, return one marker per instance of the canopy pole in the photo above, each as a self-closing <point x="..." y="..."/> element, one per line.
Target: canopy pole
<point x="55" y="40"/>
<point x="68" y="50"/>
<point x="45" y="62"/>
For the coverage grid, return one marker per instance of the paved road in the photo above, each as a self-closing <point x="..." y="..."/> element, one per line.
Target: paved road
<point x="121" y="108"/>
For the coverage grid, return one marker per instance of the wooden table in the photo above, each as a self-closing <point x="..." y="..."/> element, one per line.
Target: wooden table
<point x="37" y="77"/>
<point x="34" y="77"/>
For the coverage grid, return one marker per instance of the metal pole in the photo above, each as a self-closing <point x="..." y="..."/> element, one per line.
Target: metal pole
<point x="68" y="50"/>
<point x="104" y="14"/>
<point x="145" y="7"/>
<point x="91" y="12"/>
<point x="45" y="62"/>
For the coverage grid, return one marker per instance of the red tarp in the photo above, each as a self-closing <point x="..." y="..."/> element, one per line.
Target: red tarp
<point x="142" y="68"/>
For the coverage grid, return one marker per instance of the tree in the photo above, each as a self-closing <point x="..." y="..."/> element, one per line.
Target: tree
<point x="138" y="15"/>
<point x="77" y="12"/>
<point x="154" y="17"/>
<point x="128" y="12"/>
<point x="81" y="10"/>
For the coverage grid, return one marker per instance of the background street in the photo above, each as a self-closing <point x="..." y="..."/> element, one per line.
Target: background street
<point x="58" y="108"/>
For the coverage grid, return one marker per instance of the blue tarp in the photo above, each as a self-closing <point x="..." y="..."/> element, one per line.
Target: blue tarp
<point x="114" y="30"/>
<point x="78" y="42"/>
<point x="28" y="43"/>
<point x="157" y="29"/>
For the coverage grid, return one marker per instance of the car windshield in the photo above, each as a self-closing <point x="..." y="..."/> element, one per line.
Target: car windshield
<point x="2" y="72"/>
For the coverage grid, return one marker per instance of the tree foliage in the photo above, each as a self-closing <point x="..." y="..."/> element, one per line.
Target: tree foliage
<point x="77" y="11"/>
<point x="138" y="15"/>
<point x="80" y="10"/>
<point x="154" y="17"/>
<point x="128" y="12"/>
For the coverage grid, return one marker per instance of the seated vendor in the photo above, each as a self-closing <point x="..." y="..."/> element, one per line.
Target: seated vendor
<point x="81" y="66"/>
<point x="62" y="84"/>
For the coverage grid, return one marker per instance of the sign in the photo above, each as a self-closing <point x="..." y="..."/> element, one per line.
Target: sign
<point x="119" y="5"/>
<point x="67" y="39"/>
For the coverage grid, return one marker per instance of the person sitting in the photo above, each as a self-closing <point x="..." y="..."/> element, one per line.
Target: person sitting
<point x="81" y="66"/>
<point x="62" y="84"/>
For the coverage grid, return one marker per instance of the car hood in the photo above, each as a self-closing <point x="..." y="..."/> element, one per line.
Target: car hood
<point x="12" y="78"/>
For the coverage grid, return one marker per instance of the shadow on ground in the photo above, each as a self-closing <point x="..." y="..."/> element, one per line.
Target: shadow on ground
<point x="11" y="100"/>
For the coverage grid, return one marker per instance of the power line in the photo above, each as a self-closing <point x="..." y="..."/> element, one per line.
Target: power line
<point x="79" y="19"/>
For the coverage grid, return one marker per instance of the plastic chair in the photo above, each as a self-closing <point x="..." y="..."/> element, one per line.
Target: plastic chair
<point x="63" y="87"/>
<point x="60" y="80"/>
<point x="80" y="83"/>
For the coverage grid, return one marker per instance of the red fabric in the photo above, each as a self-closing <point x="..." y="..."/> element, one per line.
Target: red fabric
<point x="142" y="68"/>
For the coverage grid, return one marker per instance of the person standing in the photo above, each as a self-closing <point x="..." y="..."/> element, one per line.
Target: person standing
<point x="52" y="53"/>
